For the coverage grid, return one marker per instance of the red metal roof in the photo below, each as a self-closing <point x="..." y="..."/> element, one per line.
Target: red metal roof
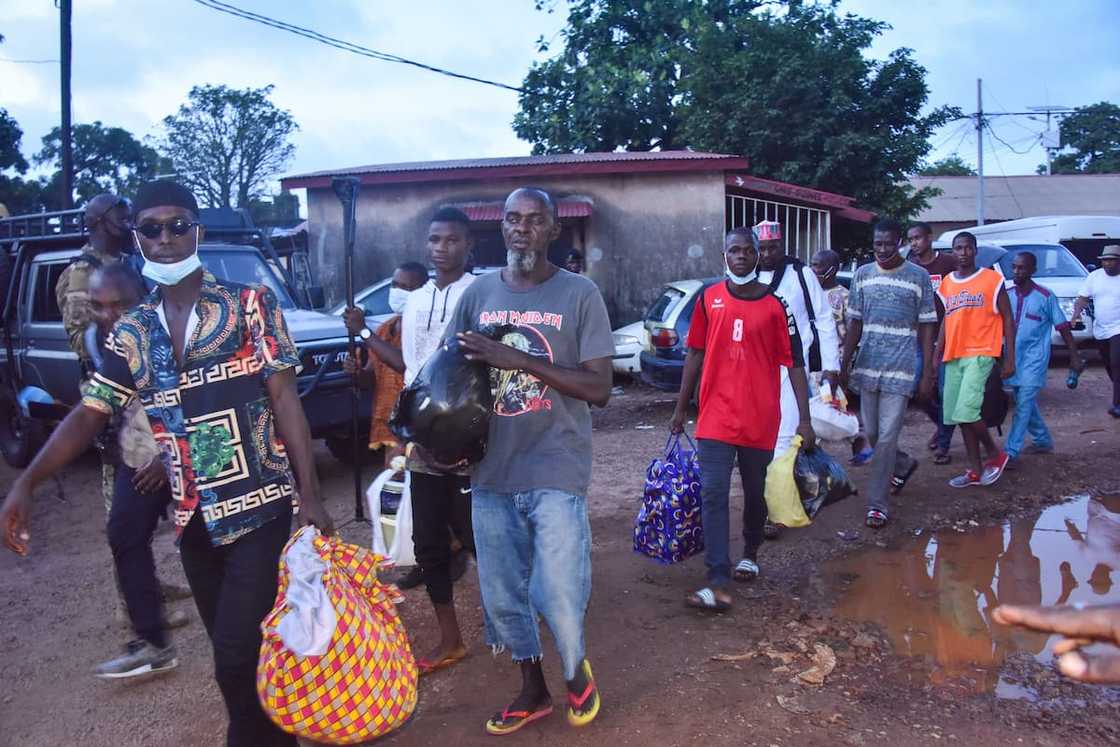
<point x="841" y="204"/>
<point x="475" y="169"/>
<point x="792" y="191"/>
<point x="492" y="211"/>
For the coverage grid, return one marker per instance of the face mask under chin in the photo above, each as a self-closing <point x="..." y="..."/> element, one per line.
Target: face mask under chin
<point x="397" y="299"/>
<point x="740" y="279"/>
<point x="171" y="273"/>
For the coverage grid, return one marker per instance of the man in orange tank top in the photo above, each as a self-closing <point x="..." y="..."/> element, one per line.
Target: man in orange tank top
<point x="978" y="329"/>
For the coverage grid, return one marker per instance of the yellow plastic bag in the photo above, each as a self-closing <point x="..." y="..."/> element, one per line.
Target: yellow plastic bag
<point x="783" y="499"/>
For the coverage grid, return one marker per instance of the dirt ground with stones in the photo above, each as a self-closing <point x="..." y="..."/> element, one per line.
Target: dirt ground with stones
<point x="669" y="675"/>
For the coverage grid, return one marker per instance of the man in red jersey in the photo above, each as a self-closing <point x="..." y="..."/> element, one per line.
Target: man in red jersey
<point x="740" y="338"/>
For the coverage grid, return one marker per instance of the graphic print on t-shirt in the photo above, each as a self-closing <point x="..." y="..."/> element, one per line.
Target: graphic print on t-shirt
<point x="518" y="392"/>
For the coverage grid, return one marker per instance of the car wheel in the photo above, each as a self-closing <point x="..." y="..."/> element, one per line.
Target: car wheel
<point x="342" y="449"/>
<point x="20" y="436"/>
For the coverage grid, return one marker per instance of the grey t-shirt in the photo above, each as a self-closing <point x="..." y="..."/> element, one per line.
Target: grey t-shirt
<point x="539" y="438"/>
<point x="891" y="304"/>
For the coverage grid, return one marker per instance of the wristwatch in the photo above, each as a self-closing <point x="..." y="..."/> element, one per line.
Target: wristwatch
<point x="365" y="334"/>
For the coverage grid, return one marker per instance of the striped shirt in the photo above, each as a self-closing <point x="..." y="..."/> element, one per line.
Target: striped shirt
<point x="891" y="304"/>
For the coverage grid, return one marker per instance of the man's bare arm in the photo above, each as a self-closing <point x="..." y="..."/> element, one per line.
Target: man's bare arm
<point x="291" y="425"/>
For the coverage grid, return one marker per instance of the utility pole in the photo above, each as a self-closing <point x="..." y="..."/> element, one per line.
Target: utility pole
<point x="979" y="154"/>
<point x="66" y="182"/>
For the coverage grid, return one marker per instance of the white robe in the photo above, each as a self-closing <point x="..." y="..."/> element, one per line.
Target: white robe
<point x="789" y="290"/>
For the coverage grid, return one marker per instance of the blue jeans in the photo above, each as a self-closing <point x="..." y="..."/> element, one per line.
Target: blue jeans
<point x="716" y="462"/>
<point x="883" y="414"/>
<point x="534" y="560"/>
<point x="1027" y="419"/>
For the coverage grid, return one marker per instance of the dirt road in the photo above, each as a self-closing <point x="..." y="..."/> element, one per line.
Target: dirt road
<point x="653" y="656"/>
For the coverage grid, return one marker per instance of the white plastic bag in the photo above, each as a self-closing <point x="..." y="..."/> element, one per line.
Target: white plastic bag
<point x="401" y="552"/>
<point x="829" y="423"/>
<point x="373" y="508"/>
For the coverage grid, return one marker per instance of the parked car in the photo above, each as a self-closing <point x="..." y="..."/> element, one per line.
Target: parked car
<point x="666" y="321"/>
<point x="629" y="342"/>
<point x="1058" y="269"/>
<point x="1084" y="235"/>
<point x="374" y="299"/>
<point x="39" y="374"/>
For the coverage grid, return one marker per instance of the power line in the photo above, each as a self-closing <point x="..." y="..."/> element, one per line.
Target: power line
<point x="28" y="62"/>
<point x="1006" y="181"/>
<point x="950" y="136"/>
<point x="1005" y="114"/>
<point x="964" y="135"/>
<point x="1007" y="144"/>
<point x="344" y="45"/>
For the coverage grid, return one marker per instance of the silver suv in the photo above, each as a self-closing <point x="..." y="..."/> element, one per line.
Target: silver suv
<point x="39" y="374"/>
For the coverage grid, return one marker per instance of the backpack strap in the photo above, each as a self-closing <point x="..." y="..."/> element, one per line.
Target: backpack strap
<point x="814" y="361"/>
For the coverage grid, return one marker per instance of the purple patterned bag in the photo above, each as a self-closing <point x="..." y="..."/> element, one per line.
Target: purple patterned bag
<point x="668" y="526"/>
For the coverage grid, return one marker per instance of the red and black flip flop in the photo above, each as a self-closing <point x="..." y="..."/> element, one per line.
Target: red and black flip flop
<point x="426" y="666"/>
<point x="507" y="722"/>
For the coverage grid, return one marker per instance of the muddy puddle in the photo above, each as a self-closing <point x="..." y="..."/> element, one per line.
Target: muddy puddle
<point x="933" y="594"/>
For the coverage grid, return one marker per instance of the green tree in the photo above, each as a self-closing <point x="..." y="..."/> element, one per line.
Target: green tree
<point x="18" y="195"/>
<point x="226" y="144"/>
<point x="615" y="83"/>
<point x="1093" y="134"/>
<point x="279" y="209"/>
<point x="106" y="159"/>
<point x="790" y="88"/>
<point x="949" y="166"/>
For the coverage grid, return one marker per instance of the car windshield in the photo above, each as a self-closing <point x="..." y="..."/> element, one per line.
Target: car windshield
<point x="246" y="268"/>
<point x="663" y="307"/>
<point x="1053" y="261"/>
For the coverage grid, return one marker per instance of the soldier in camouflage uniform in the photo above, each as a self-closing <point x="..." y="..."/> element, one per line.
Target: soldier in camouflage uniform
<point x="107" y="222"/>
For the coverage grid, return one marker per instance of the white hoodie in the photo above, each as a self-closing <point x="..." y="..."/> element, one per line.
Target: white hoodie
<point x="423" y="320"/>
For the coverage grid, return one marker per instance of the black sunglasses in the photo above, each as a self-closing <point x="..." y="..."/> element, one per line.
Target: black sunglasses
<point x="177" y="227"/>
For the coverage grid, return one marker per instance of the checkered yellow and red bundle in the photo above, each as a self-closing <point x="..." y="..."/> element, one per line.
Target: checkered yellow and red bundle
<point x="364" y="686"/>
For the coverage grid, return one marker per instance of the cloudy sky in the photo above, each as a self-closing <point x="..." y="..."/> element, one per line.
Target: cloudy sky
<point x="135" y="60"/>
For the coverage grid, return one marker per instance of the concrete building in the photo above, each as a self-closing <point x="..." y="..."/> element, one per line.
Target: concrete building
<point x="1011" y="197"/>
<point x="640" y="219"/>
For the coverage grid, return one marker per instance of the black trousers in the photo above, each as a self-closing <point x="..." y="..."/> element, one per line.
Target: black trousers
<point x="439" y="503"/>
<point x="1110" y="351"/>
<point x="132" y="521"/>
<point x="234" y="587"/>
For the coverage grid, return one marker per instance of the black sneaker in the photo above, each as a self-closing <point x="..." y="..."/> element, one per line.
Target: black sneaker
<point x="140" y="658"/>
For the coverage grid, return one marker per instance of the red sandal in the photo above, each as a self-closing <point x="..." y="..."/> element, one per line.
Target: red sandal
<point x="507" y="722"/>
<point x="579" y="712"/>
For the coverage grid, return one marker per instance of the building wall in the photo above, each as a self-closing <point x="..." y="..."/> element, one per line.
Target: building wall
<point x="645" y="230"/>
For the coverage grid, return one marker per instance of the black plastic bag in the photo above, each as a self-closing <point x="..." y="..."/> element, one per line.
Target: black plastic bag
<point x="993" y="410"/>
<point x="821" y="480"/>
<point x="446" y="409"/>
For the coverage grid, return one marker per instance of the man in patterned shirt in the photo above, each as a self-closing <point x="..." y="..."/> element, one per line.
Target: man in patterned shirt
<point x="215" y="369"/>
<point x="891" y="318"/>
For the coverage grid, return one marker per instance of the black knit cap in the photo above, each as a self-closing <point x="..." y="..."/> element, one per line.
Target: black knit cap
<point x="161" y="193"/>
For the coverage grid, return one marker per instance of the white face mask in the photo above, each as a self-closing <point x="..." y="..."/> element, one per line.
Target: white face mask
<point x="170" y="273"/>
<point x="397" y="298"/>
<point x="740" y="279"/>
